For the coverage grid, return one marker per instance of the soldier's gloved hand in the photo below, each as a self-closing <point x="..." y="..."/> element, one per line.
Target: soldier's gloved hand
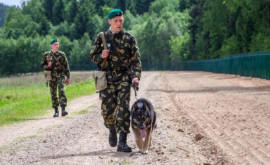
<point x="135" y="81"/>
<point x="105" y="54"/>
<point x="67" y="81"/>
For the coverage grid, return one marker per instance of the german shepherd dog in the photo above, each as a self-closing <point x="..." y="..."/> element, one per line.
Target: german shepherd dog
<point x="143" y="121"/>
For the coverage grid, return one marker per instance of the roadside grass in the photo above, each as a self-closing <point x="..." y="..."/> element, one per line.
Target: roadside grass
<point x="29" y="98"/>
<point x="81" y="112"/>
<point x="123" y="162"/>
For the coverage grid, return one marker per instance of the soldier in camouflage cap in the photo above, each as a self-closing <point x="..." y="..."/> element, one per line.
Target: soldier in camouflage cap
<point x="56" y="62"/>
<point x="122" y="57"/>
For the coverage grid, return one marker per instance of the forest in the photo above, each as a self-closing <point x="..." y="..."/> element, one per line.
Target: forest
<point x="166" y="31"/>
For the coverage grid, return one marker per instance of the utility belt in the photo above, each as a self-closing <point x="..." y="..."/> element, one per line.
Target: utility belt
<point x="115" y="74"/>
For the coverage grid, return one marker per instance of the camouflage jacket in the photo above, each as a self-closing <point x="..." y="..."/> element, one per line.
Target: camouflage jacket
<point x="61" y="57"/>
<point x="123" y="51"/>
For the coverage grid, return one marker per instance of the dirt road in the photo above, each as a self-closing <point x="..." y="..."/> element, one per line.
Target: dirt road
<point x="202" y="119"/>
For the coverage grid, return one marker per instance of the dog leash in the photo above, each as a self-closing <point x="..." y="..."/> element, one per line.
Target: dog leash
<point x="135" y="88"/>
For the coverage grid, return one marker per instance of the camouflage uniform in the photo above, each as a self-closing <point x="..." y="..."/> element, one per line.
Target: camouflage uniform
<point x="58" y="76"/>
<point x="116" y="97"/>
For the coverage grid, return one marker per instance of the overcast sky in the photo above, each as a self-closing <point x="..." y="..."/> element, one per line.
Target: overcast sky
<point x="12" y="2"/>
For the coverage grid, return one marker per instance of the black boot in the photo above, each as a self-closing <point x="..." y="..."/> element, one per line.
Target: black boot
<point x="64" y="112"/>
<point x="113" y="137"/>
<point x="56" y="112"/>
<point x="122" y="144"/>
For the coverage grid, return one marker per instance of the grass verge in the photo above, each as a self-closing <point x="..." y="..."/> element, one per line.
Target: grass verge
<point x="20" y="103"/>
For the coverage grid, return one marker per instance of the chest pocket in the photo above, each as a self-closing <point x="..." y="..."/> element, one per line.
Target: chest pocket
<point x="58" y="62"/>
<point x="124" y="50"/>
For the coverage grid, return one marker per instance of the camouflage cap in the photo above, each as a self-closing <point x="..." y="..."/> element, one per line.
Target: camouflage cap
<point x="115" y="12"/>
<point x="53" y="41"/>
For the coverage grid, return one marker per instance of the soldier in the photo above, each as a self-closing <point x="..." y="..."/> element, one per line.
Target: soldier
<point x="56" y="62"/>
<point x="123" y="66"/>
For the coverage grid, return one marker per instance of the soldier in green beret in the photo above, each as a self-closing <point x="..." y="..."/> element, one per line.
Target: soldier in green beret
<point x="122" y="63"/>
<point x="56" y="63"/>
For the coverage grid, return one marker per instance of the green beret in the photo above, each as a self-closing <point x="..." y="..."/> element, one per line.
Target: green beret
<point x="115" y="12"/>
<point x="53" y="41"/>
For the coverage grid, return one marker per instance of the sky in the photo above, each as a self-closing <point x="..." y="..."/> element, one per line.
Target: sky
<point x="12" y="2"/>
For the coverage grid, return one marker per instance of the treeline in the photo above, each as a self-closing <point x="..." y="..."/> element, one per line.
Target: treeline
<point x="166" y="31"/>
<point x="220" y="28"/>
<point x="3" y="11"/>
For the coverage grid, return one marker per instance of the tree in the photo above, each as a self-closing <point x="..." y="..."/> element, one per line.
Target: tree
<point x="142" y="6"/>
<point x="34" y="9"/>
<point x="71" y="11"/>
<point x="3" y="11"/>
<point x="48" y="8"/>
<point x="17" y="25"/>
<point x="83" y="17"/>
<point x="58" y="12"/>
<point x="183" y="5"/>
<point x="196" y="14"/>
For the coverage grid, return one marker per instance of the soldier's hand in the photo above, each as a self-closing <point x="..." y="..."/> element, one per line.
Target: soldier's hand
<point x="49" y="64"/>
<point x="135" y="81"/>
<point x="67" y="81"/>
<point x="105" y="54"/>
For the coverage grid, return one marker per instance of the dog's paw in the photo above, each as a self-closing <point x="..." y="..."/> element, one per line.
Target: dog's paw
<point x="143" y="151"/>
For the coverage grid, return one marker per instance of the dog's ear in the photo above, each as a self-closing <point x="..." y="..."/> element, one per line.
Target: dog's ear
<point x="146" y="106"/>
<point x="133" y="108"/>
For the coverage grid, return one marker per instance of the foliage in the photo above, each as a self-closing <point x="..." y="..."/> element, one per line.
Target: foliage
<point x="221" y="28"/>
<point x="166" y="31"/>
<point x="3" y="11"/>
<point x="27" y="102"/>
<point x="162" y="23"/>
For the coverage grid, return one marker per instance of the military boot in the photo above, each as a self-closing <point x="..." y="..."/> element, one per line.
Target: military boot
<point x="64" y="112"/>
<point x="122" y="144"/>
<point x="113" y="137"/>
<point x="56" y="112"/>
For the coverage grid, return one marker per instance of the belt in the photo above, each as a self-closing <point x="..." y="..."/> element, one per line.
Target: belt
<point x="58" y="71"/>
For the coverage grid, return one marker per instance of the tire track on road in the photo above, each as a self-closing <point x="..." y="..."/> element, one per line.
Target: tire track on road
<point x="228" y="132"/>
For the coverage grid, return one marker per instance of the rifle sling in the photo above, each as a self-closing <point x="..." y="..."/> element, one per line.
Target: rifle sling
<point x="56" y="60"/>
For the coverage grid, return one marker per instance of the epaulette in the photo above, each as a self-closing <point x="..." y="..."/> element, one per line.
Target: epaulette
<point x="129" y="35"/>
<point x="61" y="52"/>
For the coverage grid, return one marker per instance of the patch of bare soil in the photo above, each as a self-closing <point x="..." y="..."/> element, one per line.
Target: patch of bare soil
<point x="202" y="118"/>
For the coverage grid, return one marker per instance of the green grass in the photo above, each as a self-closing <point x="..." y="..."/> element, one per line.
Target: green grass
<point x="28" y="102"/>
<point x="81" y="112"/>
<point x="123" y="162"/>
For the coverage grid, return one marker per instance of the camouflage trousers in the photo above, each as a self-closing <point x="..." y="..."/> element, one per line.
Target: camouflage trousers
<point x="57" y="82"/>
<point x="115" y="106"/>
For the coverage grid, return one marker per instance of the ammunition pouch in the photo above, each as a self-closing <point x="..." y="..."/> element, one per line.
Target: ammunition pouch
<point x="48" y="75"/>
<point x="100" y="79"/>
